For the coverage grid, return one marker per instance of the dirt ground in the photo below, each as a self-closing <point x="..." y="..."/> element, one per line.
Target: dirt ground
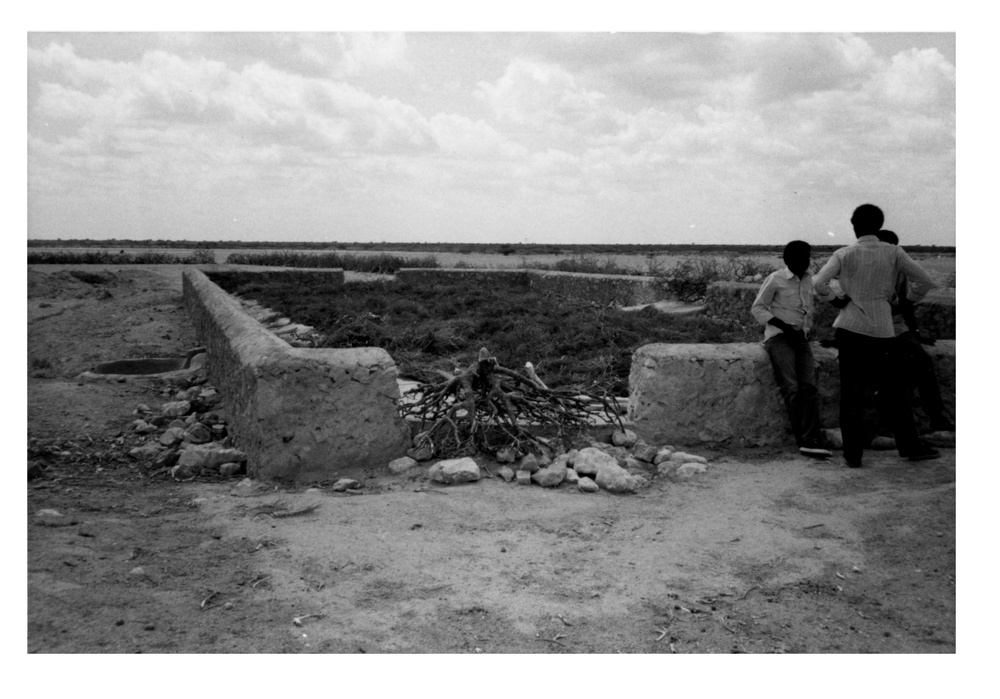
<point x="767" y="552"/>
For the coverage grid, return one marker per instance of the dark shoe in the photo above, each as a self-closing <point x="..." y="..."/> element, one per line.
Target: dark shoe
<point x="815" y="450"/>
<point x="853" y="463"/>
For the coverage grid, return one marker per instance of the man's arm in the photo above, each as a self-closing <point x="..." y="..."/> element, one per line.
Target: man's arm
<point x="920" y="281"/>
<point x="761" y="308"/>
<point x="821" y="280"/>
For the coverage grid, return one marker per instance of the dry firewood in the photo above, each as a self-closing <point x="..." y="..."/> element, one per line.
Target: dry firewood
<point x="486" y="407"/>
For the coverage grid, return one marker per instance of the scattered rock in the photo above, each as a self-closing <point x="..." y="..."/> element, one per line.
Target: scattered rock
<point x="586" y="485"/>
<point x="572" y="477"/>
<point x="881" y="442"/>
<point x="506" y="455"/>
<point x="172" y="436"/>
<point x="200" y="456"/>
<point x="424" y="452"/>
<point x="198" y="433"/>
<point x="143" y="409"/>
<point x="402" y="464"/>
<point x="451" y="471"/>
<point x="685" y="458"/>
<point x="345" y="484"/>
<point x="624" y="438"/>
<point x="245" y="483"/>
<point x="690" y="469"/>
<point x="645" y="452"/>
<point x="529" y="463"/>
<point x="185" y="472"/>
<point x="230" y="469"/>
<point x="176" y="422"/>
<point x="145" y="451"/>
<point x="614" y="478"/>
<point x="507" y="473"/>
<point x="176" y="408"/>
<point x="523" y="477"/>
<point x="666" y="468"/>
<point x="138" y="572"/>
<point x="589" y="460"/>
<point x="552" y="475"/>
<point x="143" y="427"/>
<point x="167" y="457"/>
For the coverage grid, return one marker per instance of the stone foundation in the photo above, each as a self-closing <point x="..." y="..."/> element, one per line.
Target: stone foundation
<point x="298" y="414"/>
<point x="726" y="394"/>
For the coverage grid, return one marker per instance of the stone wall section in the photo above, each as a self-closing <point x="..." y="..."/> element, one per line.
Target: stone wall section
<point x="298" y="414"/>
<point x="726" y="394"/>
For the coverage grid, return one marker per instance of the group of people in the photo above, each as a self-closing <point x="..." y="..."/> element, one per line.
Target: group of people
<point x="875" y="334"/>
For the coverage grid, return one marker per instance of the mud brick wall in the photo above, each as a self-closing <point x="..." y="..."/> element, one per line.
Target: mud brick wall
<point x="604" y="289"/>
<point x="731" y="301"/>
<point x="333" y="278"/>
<point x="298" y="414"/>
<point x="726" y="394"/>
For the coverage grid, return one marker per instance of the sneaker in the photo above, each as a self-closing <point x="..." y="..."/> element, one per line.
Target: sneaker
<point x="815" y="450"/>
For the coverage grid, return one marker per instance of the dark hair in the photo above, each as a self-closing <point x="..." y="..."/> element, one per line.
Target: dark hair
<point x="867" y="219"/>
<point x="796" y="250"/>
<point x="888" y="237"/>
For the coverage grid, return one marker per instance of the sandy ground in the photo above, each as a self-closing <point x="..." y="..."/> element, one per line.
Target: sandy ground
<point x="767" y="552"/>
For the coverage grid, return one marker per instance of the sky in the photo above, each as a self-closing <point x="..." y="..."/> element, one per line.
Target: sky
<point x="486" y="136"/>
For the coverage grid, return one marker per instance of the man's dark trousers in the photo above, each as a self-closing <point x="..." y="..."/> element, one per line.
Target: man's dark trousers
<point x="876" y="362"/>
<point x="795" y="372"/>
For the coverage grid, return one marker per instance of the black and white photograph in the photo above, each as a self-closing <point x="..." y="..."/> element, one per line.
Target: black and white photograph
<point x="492" y="341"/>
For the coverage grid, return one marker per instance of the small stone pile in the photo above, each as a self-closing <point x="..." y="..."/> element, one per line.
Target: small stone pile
<point x="626" y="465"/>
<point x="188" y="435"/>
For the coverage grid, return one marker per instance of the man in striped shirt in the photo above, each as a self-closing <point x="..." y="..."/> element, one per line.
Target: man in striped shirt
<point x="867" y="354"/>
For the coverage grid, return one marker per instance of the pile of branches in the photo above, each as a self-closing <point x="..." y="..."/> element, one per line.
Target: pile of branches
<point x="488" y="407"/>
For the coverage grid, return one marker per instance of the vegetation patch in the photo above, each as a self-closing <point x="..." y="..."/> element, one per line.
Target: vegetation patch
<point x="382" y="263"/>
<point x="113" y="257"/>
<point x="442" y="326"/>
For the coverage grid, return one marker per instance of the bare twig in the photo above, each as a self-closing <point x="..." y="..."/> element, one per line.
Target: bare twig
<point x="299" y="619"/>
<point x="662" y="632"/>
<point x="295" y="513"/>
<point x="749" y="590"/>
<point x="204" y="602"/>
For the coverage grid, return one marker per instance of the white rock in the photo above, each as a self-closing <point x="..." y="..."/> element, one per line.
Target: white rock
<point x="587" y="485"/>
<point x="588" y="461"/>
<point x="345" y="484"/>
<point x="662" y="455"/>
<point x="450" y="471"/>
<point x="572" y="477"/>
<point x="550" y="476"/>
<point x="685" y="458"/>
<point x="402" y="464"/>
<point x="523" y="477"/>
<point x="615" y="479"/>
<point x="690" y="469"/>
<point x="624" y="438"/>
<point x="205" y="455"/>
<point x="176" y="408"/>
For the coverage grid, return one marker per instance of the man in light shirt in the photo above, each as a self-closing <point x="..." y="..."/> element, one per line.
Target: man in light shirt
<point x="784" y="305"/>
<point x="867" y="353"/>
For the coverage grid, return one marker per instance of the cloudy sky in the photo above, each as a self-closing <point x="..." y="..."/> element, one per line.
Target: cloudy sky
<point x="650" y="138"/>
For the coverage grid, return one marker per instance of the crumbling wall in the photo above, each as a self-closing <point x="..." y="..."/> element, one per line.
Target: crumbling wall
<point x="726" y="394"/>
<point x="298" y="414"/>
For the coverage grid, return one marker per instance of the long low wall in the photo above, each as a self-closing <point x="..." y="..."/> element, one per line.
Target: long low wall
<point x="298" y="414"/>
<point x="731" y="301"/>
<point x="619" y="289"/>
<point x="726" y="394"/>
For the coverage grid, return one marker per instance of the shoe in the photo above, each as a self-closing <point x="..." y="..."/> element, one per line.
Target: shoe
<point x="853" y="463"/>
<point x="815" y="450"/>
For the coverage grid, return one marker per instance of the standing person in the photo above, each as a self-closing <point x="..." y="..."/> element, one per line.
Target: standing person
<point x="784" y="306"/>
<point x="866" y="347"/>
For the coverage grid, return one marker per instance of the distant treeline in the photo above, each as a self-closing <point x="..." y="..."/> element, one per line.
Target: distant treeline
<point x="461" y="248"/>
